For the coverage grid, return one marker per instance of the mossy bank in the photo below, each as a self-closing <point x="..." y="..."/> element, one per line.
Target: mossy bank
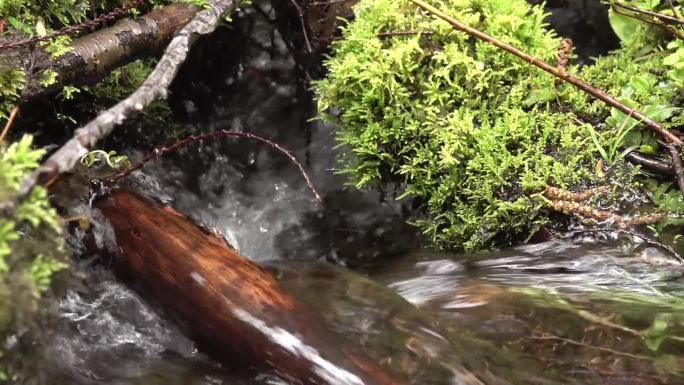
<point x="470" y="131"/>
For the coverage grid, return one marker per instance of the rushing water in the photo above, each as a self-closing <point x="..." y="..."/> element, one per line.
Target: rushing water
<point x="578" y="310"/>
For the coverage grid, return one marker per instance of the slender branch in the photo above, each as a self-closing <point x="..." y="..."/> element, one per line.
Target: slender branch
<point x="657" y="22"/>
<point x="677" y="164"/>
<point x="651" y="164"/>
<point x="659" y="16"/>
<point x="674" y="9"/>
<point x="580" y="84"/>
<point x="644" y="238"/>
<point x="300" y="14"/>
<point x="153" y="88"/>
<point x="545" y="337"/>
<point x="403" y="33"/>
<point x="195" y="138"/>
<point x="8" y="125"/>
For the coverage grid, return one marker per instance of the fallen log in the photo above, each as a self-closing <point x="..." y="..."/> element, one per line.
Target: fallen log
<point x="232" y="307"/>
<point x="93" y="56"/>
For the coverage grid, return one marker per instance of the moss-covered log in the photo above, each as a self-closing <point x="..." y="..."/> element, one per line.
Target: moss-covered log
<point x="95" y="55"/>
<point x="232" y="307"/>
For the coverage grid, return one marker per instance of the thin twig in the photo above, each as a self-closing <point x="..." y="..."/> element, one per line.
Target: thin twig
<point x="644" y="238"/>
<point x="8" y="125"/>
<point x="300" y="13"/>
<point x="580" y="84"/>
<point x="674" y="9"/>
<point x="404" y="33"/>
<point x="652" y="164"/>
<point x="657" y="22"/>
<point x="544" y="337"/>
<point x="222" y="133"/>
<point x="329" y="2"/>
<point x="659" y="16"/>
<point x="155" y="87"/>
<point x="677" y="163"/>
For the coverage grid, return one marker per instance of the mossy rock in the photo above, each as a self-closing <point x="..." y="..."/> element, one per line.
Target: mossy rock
<point x="470" y="131"/>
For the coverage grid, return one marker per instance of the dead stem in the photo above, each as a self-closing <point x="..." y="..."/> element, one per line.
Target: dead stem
<point x="563" y="57"/>
<point x="555" y="193"/>
<point x="8" y="125"/>
<point x="300" y="14"/>
<point x="543" y="337"/>
<point x="677" y="163"/>
<point x="661" y="21"/>
<point x="403" y="33"/>
<point x="659" y="16"/>
<point x="87" y="25"/>
<point x="642" y="237"/>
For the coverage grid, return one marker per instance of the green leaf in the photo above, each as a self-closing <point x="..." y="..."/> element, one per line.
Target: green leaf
<point x="625" y="27"/>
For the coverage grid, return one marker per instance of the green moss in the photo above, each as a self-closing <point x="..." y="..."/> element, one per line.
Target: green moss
<point x="31" y="246"/>
<point x="469" y="130"/>
<point x="12" y="82"/>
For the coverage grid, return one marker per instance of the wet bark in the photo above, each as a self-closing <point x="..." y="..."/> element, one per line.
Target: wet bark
<point x="93" y="56"/>
<point x="233" y="308"/>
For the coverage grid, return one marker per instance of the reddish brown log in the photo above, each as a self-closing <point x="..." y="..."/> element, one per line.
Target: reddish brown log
<point x="232" y="307"/>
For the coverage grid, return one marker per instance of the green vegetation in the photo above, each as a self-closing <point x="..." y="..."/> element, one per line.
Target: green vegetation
<point x="30" y="242"/>
<point x="471" y="131"/>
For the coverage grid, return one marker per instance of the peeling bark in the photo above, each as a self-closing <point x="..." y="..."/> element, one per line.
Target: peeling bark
<point x="95" y="55"/>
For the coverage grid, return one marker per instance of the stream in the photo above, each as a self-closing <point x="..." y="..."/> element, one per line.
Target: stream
<point x="583" y="309"/>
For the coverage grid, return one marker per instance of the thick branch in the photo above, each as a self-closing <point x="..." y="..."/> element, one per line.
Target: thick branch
<point x="153" y="88"/>
<point x="581" y="85"/>
<point x="94" y="55"/>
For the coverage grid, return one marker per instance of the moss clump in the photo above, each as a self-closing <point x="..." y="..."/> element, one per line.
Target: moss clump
<point x="464" y="125"/>
<point x="471" y="131"/>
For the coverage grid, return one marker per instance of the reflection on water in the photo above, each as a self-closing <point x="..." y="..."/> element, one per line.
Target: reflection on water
<point x="607" y="312"/>
<point x="529" y="315"/>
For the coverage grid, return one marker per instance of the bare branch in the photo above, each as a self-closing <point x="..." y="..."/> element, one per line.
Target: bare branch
<point x="677" y="164"/>
<point x="8" y="125"/>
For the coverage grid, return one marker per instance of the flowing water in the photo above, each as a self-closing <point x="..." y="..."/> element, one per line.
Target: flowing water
<point x="578" y="310"/>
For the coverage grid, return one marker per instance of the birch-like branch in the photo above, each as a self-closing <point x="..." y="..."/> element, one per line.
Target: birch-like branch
<point x="155" y="87"/>
<point x="93" y="56"/>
